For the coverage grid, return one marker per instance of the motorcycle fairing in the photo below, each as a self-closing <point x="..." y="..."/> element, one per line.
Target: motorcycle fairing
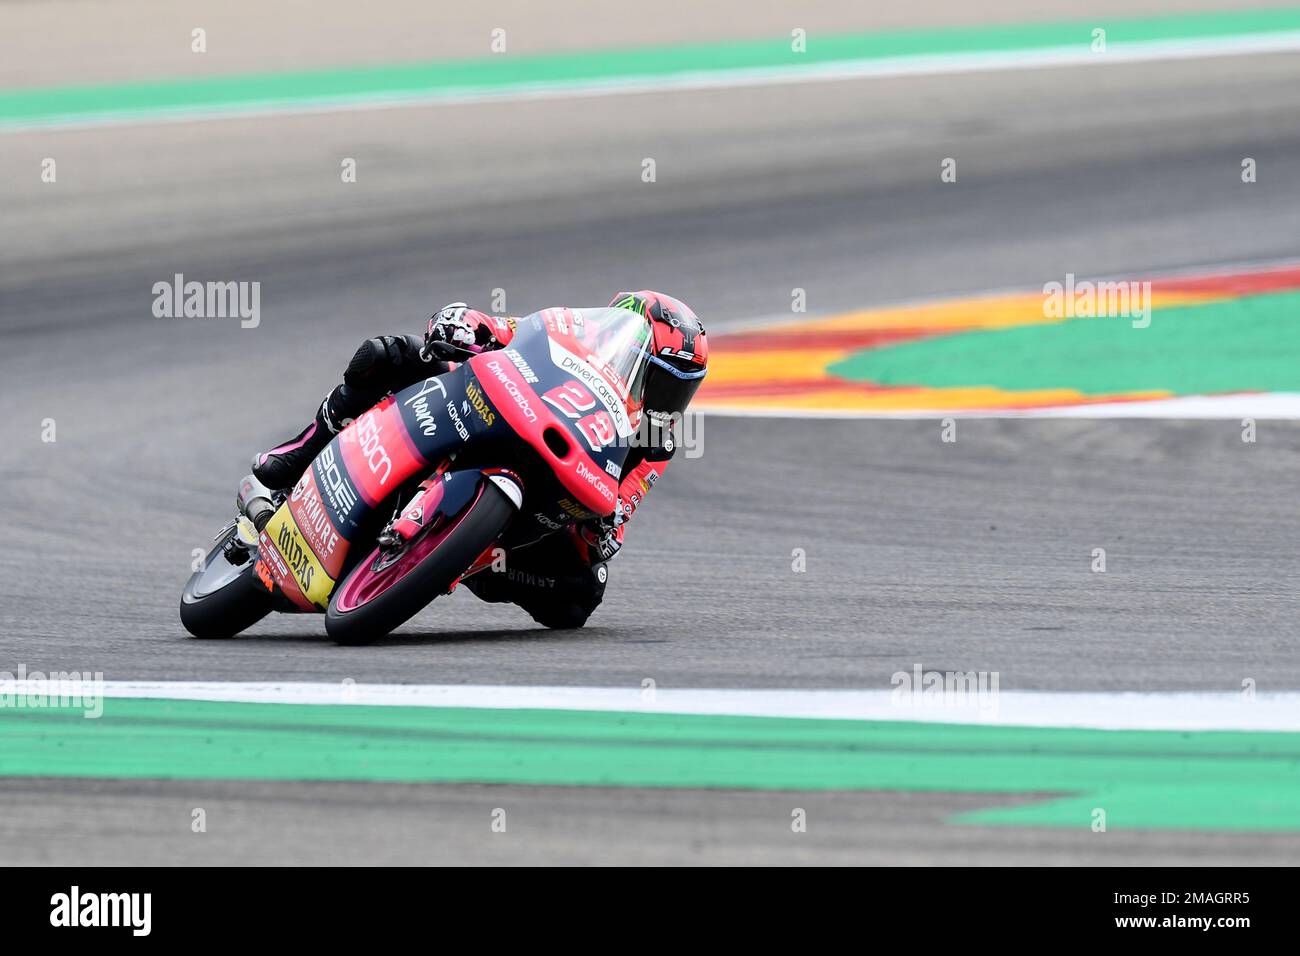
<point x="306" y="583"/>
<point x="401" y="437"/>
<point x="378" y="452"/>
<point x="542" y="371"/>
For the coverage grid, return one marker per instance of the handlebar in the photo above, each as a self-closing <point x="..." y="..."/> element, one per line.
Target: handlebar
<point x="451" y="353"/>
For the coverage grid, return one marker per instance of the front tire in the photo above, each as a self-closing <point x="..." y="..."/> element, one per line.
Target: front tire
<point x="222" y="599"/>
<point x="354" y="624"/>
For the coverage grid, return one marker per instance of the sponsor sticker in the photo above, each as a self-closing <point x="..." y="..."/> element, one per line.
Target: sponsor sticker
<point x="512" y="389"/>
<point x="303" y="566"/>
<point x="378" y="453"/>
<point x="573" y="509"/>
<point x="523" y="366"/>
<point x="546" y="522"/>
<point x="419" y="405"/>
<point x="480" y="403"/>
<point x="609" y="395"/>
<point x="369" y="435"/>
<point x="461" y="430"/>
<point x="338" y="489"/>
<point x="313" y="519"/>
<point x="596" y="480"/>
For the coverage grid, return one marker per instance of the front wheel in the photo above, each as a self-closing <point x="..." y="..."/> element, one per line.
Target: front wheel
<point x="221" y="599"/>
<point x="385" y="591"/>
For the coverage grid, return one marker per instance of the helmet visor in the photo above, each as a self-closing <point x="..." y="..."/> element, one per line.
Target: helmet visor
<point x="668" y="389"/>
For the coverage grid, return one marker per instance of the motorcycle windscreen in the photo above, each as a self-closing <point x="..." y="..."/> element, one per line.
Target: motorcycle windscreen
<point x="610" y="342"/>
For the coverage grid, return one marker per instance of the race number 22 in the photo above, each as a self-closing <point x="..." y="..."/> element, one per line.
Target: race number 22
<point x="572" y="399"/>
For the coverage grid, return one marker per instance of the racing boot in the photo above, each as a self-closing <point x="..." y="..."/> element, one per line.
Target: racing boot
<point x="282" y="466"/>
<point x="550" y="580"/>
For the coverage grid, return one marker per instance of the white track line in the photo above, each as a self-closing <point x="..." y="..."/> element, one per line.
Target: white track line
<point x="1259" y="405"/>
<point x="1267" y="405"/>
<point x="1279" y="711"/>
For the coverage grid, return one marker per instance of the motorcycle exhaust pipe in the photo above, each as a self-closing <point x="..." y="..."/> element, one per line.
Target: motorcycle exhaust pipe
<point x="255" y="501"/>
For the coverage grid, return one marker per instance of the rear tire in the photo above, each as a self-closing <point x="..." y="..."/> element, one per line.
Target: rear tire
<point x="406" y="597"/>
<point x="220" y="601"/>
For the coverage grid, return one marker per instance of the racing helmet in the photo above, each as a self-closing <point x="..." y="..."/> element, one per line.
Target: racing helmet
<point x="679" y="351"/>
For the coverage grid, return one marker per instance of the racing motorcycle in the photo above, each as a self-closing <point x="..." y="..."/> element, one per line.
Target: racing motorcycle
<point x="421" y="491"/>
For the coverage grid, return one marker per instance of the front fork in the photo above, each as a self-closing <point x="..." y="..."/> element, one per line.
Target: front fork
<point x="446" y="492"/>
<point x="411" y="520"/>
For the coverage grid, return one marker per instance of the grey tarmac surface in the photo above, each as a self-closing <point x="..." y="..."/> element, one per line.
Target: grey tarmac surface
<point x="970" y="556"/>
<point x="340" y="824"/>
<point x="973" y="555"/>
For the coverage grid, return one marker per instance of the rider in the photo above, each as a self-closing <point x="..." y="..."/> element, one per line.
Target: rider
<point x="560" y="580"/>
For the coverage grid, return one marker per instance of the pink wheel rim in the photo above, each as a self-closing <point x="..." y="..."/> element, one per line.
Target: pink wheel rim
<point x="365" y="584"/>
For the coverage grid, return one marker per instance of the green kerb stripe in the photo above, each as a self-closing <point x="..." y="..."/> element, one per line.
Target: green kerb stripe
<point x="505" y="74"/>
<point x="1144" y="779"/>
<point x="1236" y="345"/>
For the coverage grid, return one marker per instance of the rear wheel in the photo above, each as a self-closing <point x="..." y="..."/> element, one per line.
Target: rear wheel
<point x="221" y="599"/>
<point x="386" y="590"/>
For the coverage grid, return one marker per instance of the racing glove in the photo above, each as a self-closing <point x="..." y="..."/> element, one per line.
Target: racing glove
<point x="600" y="540"/>
<point x="466" y="328"/>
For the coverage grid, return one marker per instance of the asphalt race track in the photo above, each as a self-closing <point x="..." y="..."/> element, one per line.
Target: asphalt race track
<point x="967" y="555"/>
